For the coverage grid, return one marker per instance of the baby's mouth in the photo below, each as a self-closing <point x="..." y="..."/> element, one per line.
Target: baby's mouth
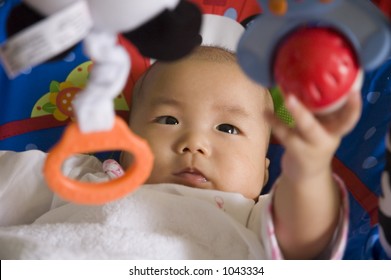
<point x="191" y="175"/>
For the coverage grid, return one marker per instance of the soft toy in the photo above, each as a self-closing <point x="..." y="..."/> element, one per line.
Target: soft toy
<point x="312" y="49"/>
<point x="165" y="30"/>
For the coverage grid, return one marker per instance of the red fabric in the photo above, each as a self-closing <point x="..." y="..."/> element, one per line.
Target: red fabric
<point x="384" y="6"/>
<point x="139" y="65"/>
<point x="365" y="197"/>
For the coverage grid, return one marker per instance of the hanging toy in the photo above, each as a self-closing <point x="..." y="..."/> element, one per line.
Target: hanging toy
<point x="316" y="50"/>
<point x="319" y="66"/>
<point x="174" y="26"/>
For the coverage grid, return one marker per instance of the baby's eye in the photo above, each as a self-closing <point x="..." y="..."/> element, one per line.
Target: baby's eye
<point x="227" y="128"/>
<point x="167" y="120"/>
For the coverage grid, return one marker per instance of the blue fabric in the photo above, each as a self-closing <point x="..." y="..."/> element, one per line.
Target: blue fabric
<point x="372" y="249"/>
<point x="19" y="96"/>
<point x="363" y="152"/>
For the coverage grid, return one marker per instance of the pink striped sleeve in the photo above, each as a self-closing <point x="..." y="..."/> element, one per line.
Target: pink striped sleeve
<point x="334" y="250"/>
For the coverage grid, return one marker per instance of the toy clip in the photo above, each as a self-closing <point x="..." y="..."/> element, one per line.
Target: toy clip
<point x="74" y="142"/>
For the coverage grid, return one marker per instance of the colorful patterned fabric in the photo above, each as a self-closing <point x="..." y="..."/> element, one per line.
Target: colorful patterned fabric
<point x="33" y="111"/>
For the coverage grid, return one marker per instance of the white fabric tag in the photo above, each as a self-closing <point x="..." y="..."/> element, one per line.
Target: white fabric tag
<point x="46" y="38"/>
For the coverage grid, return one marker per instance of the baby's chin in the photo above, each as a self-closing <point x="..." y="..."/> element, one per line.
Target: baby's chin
<point x="192" y="183"/>
<point x="200" y="183"/>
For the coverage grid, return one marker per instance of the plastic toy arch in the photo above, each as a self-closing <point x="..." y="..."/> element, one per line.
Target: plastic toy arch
<point x="75" y="142"/>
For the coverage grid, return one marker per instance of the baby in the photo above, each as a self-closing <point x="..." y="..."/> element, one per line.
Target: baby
<point x="204" y="121"/>
<point x="208" y="126"/>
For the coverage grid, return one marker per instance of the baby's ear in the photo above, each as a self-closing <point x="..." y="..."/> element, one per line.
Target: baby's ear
<point x="266" y="177"/>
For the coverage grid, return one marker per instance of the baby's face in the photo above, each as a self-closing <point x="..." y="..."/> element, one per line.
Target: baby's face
<point x="204" y="123"/>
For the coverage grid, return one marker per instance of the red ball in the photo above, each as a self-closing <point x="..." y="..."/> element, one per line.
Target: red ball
<point x="319" y="66"/>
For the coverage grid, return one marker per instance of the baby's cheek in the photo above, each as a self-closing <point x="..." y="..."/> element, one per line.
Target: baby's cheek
<point x="256" y="180"/>
<point x="254" y="189"/>
<point x="247" y="178"/>
<point x="159" y="171"/>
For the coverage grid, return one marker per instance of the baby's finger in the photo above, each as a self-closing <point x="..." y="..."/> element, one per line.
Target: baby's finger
<point x="280" y="130"/>
<point x="306" y="124"/>
<point x="342" y="121"/>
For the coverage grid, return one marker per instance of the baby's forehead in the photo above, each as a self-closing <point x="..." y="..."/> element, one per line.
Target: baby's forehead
<point x="166" y="73"/>
<point x="201" y="55"/>
<point x="215" y="54"/>
<point x="161" y="81"/>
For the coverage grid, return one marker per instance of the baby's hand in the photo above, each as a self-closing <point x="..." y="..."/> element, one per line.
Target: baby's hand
<point x="312" y="142"/>
<point x="306" y="191"/>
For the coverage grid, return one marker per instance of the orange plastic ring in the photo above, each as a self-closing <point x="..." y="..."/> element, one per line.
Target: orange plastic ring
<point x="75" y="142"/>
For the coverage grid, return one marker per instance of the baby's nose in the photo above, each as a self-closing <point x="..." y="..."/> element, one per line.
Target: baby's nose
<point x="194" y="143"/>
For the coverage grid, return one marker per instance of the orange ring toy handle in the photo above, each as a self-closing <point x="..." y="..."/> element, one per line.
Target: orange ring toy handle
<point x="75" y="142"/>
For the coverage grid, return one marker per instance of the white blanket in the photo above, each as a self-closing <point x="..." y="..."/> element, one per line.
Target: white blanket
<point x="151" y="223"/>
<point x="164" y="221"/>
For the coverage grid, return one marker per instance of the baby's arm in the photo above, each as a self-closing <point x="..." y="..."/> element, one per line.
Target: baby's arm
<point x="307" y="201"/>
